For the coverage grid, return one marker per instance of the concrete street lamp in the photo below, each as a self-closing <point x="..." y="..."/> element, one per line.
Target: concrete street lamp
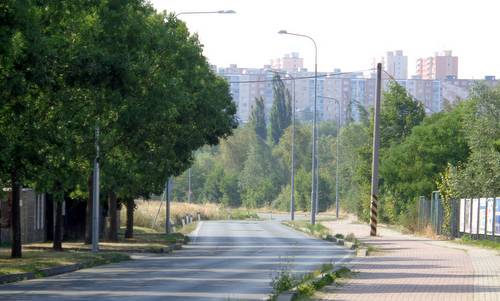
<point x="314" y="202"/>
<point x="230" y="11"/>
<point x="205" y="12"/>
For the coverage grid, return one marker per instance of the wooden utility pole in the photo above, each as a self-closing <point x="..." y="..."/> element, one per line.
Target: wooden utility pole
<point x="376" y="145"/>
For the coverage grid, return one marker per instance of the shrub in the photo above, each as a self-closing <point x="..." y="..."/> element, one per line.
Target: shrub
<point x="350" y="237"/>
<point x="306" y="289"/>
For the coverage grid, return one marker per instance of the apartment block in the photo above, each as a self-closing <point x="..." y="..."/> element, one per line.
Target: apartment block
<point x="396" y="64"/>
<point x="290" y="62"/>
<point x="440" y="66"/>
<point x="435" y="86"/>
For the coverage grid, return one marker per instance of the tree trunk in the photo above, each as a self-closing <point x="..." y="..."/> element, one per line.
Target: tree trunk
<point x="16" y="251"/>
<point x="113" y="221"/>
<point x="57" y="242"/>
<point x="88" y="213"/>
<point x="129" y="233"/>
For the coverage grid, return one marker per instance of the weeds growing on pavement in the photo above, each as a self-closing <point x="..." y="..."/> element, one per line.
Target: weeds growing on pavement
<point x="307" y="284"/>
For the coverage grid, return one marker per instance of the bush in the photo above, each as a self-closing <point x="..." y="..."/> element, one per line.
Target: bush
<point x="282" y="282"/>
<point x="282" y="201"/>
<point x="350" y="237"/>
<point x="408" y="217"/>
<point x="306" y="289"/>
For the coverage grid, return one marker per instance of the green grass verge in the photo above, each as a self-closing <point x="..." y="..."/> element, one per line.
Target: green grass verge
<point x="482" y="243"/>
<point x="35" y="260"/>
<point x="242" y="214"/>
<point x="317" y="230"/>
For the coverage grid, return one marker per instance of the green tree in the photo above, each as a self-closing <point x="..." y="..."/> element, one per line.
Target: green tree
<point x="479" y="176"/>
<point x="22" y="73"/>
<point x="399" y="113"/>
<point x="410" y="169"/>
<point x="259" y="179"/>
<point x="258" y="119"/>
<point x="281" y="113"/>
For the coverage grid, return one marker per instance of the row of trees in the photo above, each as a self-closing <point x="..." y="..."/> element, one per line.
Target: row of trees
<point x="252" y="168"/>
<point x="68" y="68"/>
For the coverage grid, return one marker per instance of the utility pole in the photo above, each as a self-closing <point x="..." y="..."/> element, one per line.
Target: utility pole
<point x="95" y="199"/>
<point x="169" y="185"/>
<point x="189" y="185"/>
<point x="337" y="178"/>
<point x="292" y="180"/>
<point x="376" y="145"/>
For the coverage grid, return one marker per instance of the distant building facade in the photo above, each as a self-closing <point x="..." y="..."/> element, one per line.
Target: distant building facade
<point x="440" y="66"/>
<point x="396" y="64"/>
<point x="436" y="86"/>
<point x="290" y="62"/>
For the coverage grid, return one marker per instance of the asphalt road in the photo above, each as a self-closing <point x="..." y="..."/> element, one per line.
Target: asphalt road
<point x="225" y="260"/>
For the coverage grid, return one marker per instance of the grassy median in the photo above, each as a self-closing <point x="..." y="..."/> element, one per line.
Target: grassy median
<point x="36" y="260"/>
<point x="144" y="240"/>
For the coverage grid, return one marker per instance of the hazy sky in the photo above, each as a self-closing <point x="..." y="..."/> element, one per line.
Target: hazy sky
<point x="349" y="33"/>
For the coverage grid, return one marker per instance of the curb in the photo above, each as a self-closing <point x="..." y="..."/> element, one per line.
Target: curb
<point x="61" y="270"/>
<point x="16" y="277"/>
<point x="44" y="272"/>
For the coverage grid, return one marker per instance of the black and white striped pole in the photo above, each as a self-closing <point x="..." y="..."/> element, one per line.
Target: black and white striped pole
<point x="376" y="145"/>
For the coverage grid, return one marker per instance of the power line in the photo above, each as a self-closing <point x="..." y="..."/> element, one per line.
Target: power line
<point x="297" y="78"/>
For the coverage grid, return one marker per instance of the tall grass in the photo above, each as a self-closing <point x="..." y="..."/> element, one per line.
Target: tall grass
<point x="152" y="213"/>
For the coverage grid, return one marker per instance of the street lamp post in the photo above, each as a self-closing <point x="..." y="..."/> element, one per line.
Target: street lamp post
<point x="314" y="138"/>
<point x="337" y="142"/>
<point x="166" y="191"/>
<point x="205" y="12"/>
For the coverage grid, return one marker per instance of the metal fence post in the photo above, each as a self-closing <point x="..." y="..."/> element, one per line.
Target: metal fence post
<point x="493" y="219"/>
<point x="477" y="221"/>
<point x="470" y="217"/>
<point x="485" y="235"/>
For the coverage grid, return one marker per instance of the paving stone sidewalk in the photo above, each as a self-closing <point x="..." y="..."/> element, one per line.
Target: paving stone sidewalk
<point x="416" y="268"/>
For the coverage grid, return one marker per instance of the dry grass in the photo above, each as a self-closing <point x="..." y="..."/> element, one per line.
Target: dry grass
<point x="151" y="214"/>
<point x="427" y="231"/>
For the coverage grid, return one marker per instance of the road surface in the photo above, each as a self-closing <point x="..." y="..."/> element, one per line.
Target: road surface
<point x="225" y="260"/>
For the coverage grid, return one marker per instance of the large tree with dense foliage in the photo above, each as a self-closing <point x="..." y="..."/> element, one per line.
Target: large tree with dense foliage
<point x="410" y="169"/>
<point x="23" y="80"/>
<point x="69" y="67"/>
<point x="479" y="176"/>
<point x="258" y="118"/>
<point x="399" y="113"/>
<point x="281" y="113"/>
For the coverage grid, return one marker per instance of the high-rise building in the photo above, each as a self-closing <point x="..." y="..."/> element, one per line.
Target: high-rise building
<point x="396" y="64"/>
<point x="291" y="63"/>
<point x="440" y="66"/>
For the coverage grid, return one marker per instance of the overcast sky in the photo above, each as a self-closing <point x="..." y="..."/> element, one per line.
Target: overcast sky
<point x="349" y="33"/>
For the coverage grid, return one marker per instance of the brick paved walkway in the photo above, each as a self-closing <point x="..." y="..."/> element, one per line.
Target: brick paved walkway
<point x="415" y="268"/>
